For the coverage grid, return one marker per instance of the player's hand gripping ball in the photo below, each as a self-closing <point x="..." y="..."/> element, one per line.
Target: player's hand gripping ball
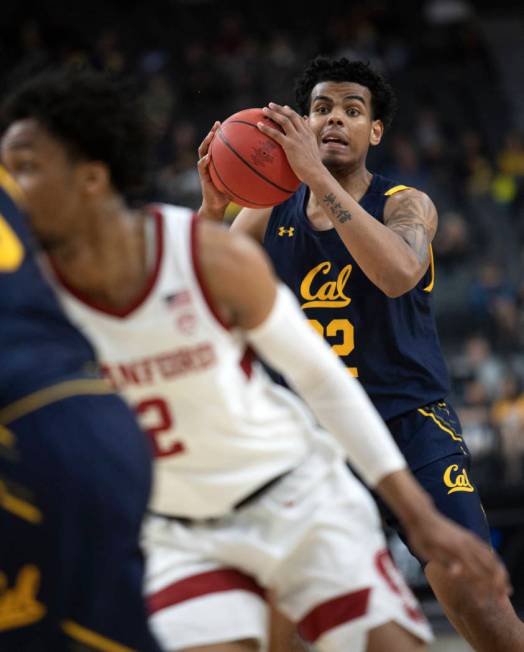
<point x="248" y="166"/>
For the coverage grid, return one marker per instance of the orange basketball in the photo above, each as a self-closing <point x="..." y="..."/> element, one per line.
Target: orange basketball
<point x="247" y="165"/>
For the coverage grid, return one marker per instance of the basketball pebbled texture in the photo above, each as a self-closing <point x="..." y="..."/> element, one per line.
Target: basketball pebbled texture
<point x="251" y="168"/>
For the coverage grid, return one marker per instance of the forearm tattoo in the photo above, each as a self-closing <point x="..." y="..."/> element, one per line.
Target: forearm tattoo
<point x="335" y="207"/>
<point x="412" y="219"/>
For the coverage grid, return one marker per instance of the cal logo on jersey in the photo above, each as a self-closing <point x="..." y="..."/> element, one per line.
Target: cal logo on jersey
<point x="457" y="481"/>
<point x="327" y="294"/>
<point x="282" y="231"/>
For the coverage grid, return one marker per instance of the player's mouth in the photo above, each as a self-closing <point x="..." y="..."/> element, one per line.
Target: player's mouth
<point x="334" y="141"/>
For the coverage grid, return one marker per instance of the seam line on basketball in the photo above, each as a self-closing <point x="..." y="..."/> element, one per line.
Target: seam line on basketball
<point x="233" y="194"/>
<point x="253" y="169"/>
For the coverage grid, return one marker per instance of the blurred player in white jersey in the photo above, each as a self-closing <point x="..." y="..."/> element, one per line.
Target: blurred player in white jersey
<point x="251" y="497"/>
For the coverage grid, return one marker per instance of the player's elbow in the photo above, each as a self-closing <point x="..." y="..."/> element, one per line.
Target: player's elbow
<point x="395" y="285"/>
<point x="395" y="292"/>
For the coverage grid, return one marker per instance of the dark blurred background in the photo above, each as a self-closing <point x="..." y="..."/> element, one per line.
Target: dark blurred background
<point x="458" y="69"/>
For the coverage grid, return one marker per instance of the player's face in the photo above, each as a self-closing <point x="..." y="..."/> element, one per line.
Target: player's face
<point x="341" y="116"/>
<point x="41" y="166"/>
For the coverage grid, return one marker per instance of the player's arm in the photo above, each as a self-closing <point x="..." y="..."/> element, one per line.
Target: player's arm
<point x="252" y="221"/>
<point x="241" y="283"/>
<point x="394" y="255"/>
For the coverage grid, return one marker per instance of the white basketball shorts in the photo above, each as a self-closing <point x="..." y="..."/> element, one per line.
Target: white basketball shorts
<point x="313" y="540"/>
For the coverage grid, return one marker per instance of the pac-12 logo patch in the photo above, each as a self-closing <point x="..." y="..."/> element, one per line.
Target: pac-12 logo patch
<point x="457" y="481"/>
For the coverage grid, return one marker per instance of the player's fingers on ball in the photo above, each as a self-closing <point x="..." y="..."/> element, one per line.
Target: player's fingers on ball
<point x="204" y="145"/>
<point x="203" y="167"/>
<point x="279" y="115"/>
<point x="293" y="117"/>
<point x="274" y="115"/>
<point x="284" y="110"/>
<point x="275" y="134"/>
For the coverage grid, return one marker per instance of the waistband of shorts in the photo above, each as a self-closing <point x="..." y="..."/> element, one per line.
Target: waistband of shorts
<point x="394" y="421"/>
<point x="244" y="502"/>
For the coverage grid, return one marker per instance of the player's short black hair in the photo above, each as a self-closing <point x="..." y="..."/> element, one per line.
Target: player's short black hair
<point x="96" y="118"/>
<point x="320" y="69"/>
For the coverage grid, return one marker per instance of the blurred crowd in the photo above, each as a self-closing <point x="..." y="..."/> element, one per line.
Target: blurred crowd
<point x="457" y="136"/>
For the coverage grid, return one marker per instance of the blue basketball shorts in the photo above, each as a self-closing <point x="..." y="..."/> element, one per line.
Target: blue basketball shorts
<point x="75" y="473"/>
<point x="431" y="440"/>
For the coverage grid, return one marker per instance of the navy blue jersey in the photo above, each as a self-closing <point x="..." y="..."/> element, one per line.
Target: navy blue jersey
<point x="391" y="345"/>
<point x="38" y="346"/>
<point x="75" y="474"/>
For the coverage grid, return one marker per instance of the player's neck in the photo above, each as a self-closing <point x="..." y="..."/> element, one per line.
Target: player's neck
<point x="355" y="182"/>
<point x="105" y="258"/>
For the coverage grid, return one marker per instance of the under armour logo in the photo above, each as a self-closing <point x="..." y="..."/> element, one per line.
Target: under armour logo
<point x="290" y="232"/>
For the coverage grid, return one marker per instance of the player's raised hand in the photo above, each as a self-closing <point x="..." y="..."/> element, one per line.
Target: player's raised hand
<point x="214" y="202"/>
<point x="296" y="138"/>
<point x="459" y="553"/>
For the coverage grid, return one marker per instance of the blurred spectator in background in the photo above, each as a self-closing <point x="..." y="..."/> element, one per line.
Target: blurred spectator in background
<point x="507" y="415"/>
<point x="479" y="370"/>
<point x="453" y="248"/>
<point x="178" y="181"/>
<point x="493" y="305"/>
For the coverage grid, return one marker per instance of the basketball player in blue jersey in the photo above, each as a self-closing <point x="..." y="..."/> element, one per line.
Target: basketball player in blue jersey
<point x="355" y="248"/>
<point x="74" y="474"/>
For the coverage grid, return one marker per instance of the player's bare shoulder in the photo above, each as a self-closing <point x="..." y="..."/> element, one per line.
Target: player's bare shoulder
<point x="412" y="214"/>
<point x="253" y="222"/>
<point x="237" y="274"/>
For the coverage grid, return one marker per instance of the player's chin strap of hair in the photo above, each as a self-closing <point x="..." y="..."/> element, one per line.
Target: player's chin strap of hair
<point x="288" y="344"/>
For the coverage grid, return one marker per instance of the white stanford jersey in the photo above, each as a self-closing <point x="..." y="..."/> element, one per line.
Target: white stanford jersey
<point x="219" y="426"/>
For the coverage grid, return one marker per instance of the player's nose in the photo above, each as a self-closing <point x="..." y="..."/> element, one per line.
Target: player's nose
<point x="336" y="116"/>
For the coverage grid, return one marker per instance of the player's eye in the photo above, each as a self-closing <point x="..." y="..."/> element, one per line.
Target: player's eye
<point x="353" y="112"/>
<point x="24" y="166"/>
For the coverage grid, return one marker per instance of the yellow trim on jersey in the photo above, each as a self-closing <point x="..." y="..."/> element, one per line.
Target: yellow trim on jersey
<point x="396" y="189"/>
<point x="18" y="507"/>
<point x="7" y="438"/>
<point x="11" y="249"/>
<point x="10" y="186"/>
<point x="53" y="394"/>
<point x="443" y="427"/>
<point x="431" y="283"/>
<point x="91" y="638"/>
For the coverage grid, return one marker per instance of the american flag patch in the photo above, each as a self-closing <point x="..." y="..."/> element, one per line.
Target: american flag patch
<point x="178" y="299"/>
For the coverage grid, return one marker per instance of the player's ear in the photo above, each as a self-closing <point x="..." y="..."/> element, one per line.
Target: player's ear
<point x="95" y="177"/>
<point x="377" y="129"/>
